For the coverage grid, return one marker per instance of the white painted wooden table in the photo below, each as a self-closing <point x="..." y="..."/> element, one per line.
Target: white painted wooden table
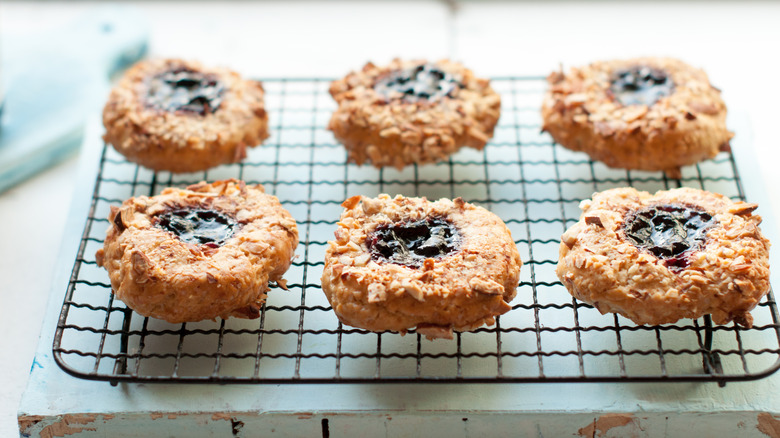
<point x="328" y="39"/>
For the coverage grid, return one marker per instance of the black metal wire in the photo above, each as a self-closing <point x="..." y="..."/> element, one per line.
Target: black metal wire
<point x="546" y="337"/>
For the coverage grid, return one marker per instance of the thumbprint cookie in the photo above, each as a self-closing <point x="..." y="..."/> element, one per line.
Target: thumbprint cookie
<point x="179" y="116"/>
<point x="655" y="259"/>
<point x="400" y="263"/>
<point x="412" y="112"/>
<point x="645" y="113"/>
<point x="198" y="253"/>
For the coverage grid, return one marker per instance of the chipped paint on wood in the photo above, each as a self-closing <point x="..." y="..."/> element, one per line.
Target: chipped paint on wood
<point x="70" y="424"/>
<point x="600" y="426"/>
<point x="769" y="425"/>
<point x="158" y="415"/>
<point x="222" y="416"/>
<point x="63" y="425"/>
<point x="26" y="422"/>
<point x="235" y="424"/>
<point x="367" y="423"/>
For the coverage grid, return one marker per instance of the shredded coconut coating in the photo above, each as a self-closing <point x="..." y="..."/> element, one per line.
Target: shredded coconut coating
<point x="460" y="291"/>
<point x="726" y="278"/>
<point x="179" y="141"/>
<point x="158" y="275"/>
<point x="392" y="132"/>
<point x="683" y="128"/>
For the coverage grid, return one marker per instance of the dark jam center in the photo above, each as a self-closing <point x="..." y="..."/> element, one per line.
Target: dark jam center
<point x="669" y="232"/>
<point x="641" y="85"/>
<point x="198" y="226"/>
<point x="410" y="243"/>
<point x="185" y="90"/>
<point x="424" y="82"/>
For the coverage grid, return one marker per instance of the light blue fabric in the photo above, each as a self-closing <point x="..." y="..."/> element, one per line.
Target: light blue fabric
<point x="54" y="79"/>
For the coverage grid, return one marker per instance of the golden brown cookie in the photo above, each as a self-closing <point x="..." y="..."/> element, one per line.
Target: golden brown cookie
<point x="198" y="253"/>
<point x="399" y="263"/>
<point x="643" y="113"/>
<point x="175" y="115"/>
<point x="412" y="112"/>
<point x="655" y="259"/>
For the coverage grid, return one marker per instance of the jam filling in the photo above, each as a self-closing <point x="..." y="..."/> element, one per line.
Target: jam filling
<point x="641" y="85"/>
<point x="185" y="90"/>
<point x="669" y="232"/>
<point x="410" y="243"/>
<point x="198" y="226"/>
<point x="421" y="83"/>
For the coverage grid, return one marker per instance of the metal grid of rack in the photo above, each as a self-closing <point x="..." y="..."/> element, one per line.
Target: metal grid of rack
<point x="534" y="185"/>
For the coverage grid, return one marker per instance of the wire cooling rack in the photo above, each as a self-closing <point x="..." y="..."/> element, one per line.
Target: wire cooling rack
<point x="534" y="185"/>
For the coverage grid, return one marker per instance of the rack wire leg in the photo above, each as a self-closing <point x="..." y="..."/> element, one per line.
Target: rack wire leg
<point x="120" y="365"/>
<point x="711" y="361"/>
